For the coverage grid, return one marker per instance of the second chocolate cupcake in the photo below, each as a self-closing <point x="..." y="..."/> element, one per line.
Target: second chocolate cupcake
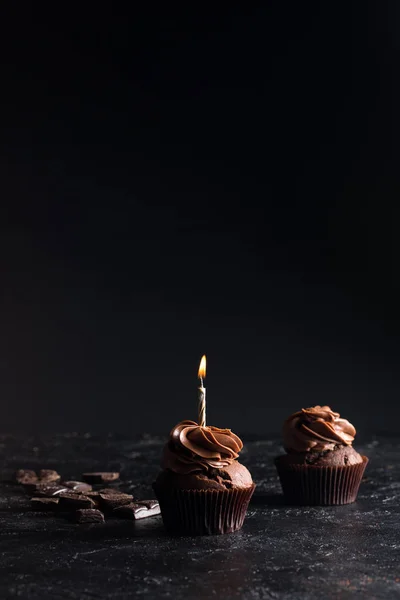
<point x="321" y="467"/>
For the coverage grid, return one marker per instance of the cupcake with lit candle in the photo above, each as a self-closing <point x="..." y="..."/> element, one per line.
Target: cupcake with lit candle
<point x="320" y="466"/>
<point x="203" y="489"/>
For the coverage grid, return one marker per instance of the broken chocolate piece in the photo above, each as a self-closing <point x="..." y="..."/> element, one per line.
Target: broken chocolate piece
<point x="44" y="503"/>
<point x="26" y="476"/>
<point x="45" y="489"/>
<point x="71" y="501"/>
<point x="88" y="515"/>
<point x="110" y="501"/>
<point x="94" y="495"/>
<point x="105" y="492"/>
<point x="100" y="477"/>
<point x="31" y="480"/>
<point x="138" y="510"/>
<point x="79" y="487"/>
<point x="48" y="476"/>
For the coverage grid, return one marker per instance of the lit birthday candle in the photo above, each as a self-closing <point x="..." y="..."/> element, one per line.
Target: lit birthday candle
<point x="202" y="392"/>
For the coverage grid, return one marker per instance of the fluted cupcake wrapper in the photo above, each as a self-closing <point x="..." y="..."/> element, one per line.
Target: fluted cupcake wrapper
<point x="203" y="512"/>
<point x="313" y="485"/>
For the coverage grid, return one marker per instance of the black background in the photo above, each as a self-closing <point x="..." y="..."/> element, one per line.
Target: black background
<point x="199" y="179"/>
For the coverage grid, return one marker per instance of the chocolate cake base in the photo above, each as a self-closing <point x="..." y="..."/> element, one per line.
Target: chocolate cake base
<point x="320" y="486"/>
<point x="203" y="512"/>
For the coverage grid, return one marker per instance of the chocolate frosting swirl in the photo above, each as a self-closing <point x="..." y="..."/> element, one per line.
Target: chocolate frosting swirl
<point x="193" y="448"/>
<point x="317" y="428"/>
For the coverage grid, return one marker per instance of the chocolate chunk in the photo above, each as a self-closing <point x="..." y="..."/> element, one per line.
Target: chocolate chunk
<point x="110" y="491"/>
<point x="105" y="491"/>
<point x="49" y="476"/>
<point x="110" y="501"/>
<point x="94" y="495"/>
<point x="31" y="480"/>
<point x="88" y="515"/>
<point x="71" y="501"/>
<point x="100" y="477"/>
<point x="26" y="476"/>
<point x="138" y="510"/>
<point x="80" y="487"/>
<point x="46" y="489"/>
<point x="44" y="503"/>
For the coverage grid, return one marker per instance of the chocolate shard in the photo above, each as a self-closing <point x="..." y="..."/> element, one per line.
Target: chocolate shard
<point x="88" y="515"/>
<point x="140" y="509"/>
<point x="46" y="489"/>
<point x="26" y="476"/>
<point x="105" y="492"/>
<point x="80" y="487"/>
<point x="49" y="476"/>
<point x="100" y="477"/>
<point x="94" y="495"/>
<point x="71" y="501"/>
<point x="110" y="501"/>
<point x="31" y="480"/>
<point x="40" y="503"/>
<point x="150" y="504"/>
<point x="110" y="491"/>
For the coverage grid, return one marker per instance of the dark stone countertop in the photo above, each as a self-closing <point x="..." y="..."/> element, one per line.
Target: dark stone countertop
<point x="282" y="552"/>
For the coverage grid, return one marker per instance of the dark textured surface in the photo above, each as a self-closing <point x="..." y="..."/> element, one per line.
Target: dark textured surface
<point x="281" y="552"/>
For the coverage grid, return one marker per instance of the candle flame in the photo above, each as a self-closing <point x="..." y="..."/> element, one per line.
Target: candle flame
<point x="202" y="368"/>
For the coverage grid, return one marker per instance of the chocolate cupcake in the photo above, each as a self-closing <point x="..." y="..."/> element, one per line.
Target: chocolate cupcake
<point x="321" y="467"/>
<point x="203" y="489"/>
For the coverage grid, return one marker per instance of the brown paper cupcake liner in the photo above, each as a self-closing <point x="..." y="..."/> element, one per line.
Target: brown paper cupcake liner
<point x="313" y="485"/>
<point x="203" y="512"/>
